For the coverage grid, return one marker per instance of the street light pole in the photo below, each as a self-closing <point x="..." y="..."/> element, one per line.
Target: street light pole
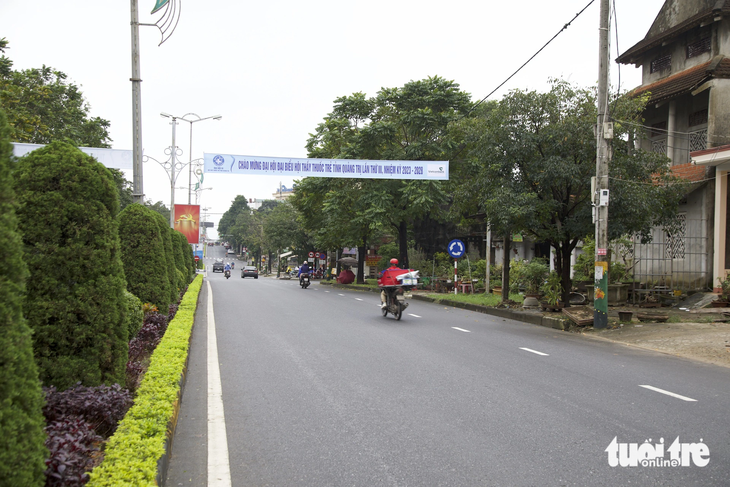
<point x="190" y="154"/>
<point x="138" y="190"/>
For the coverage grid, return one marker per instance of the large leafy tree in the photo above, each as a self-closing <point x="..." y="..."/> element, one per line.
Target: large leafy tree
<point x="42" y="105"/>
<point x="530" y="170"/>
<point x="22" y="452"/>
<point x="337" y="213"/>
<point x="407" y="123"/>
<point x="75" y="300"/>
<point x="230" y="224"/>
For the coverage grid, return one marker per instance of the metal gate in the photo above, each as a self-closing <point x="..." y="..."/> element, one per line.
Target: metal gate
<point x="676" y="260"/>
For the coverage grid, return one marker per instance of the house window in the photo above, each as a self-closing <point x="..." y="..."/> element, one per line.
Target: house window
<point x="658" y="129"/>
<point x="697" y="118"/>
<point x="674" y="247"/>
<point x="661" y="63"/>
<point x="698" y="47"/>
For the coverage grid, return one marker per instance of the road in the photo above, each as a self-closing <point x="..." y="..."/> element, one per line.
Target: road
<point x="319" y="389"/>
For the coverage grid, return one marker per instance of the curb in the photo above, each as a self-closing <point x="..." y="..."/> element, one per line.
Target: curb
<point x="534" y="318"/>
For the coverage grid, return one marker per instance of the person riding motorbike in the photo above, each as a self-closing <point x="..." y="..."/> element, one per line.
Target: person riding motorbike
<point x="304" y="269"/>
<point x="227" y="270"/>
<point x="233" y="265"/>
<point x="393" y="265"/>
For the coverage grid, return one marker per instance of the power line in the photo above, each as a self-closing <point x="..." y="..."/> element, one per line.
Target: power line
<point x="532" y="57"/>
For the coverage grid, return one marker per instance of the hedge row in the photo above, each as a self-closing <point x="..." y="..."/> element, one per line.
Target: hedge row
<point x="133" y="452"/>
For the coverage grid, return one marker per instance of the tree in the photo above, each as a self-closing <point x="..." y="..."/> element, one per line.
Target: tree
<point x="143" y="255"/>
<point x="43" y="106"/>
<point x="22" y="452"/>
<point x="531" y="171"/>
<point x="75" y="293"/>
<point x="408" y="123"/>
<point x="229" y="218"/>
<point x="160" y="208"/>
<point x="124" y="188"/>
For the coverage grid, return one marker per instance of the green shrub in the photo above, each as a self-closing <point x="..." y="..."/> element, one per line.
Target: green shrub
<point x="22" y="452"/>
<point x="178" y="240"/>
<point x="584" y="267"/>
<point x="171" y="287"/>
<point x="132" y="453"/>
<point x="143" y="255"/>
<point x="74" y="303"/>
<point x="135" y="315"/>
<point x="528" y="275"/>
<point x="188" y="257"/>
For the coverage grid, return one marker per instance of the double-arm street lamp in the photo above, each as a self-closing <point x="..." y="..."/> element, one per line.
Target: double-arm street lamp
<point x="191" y="121"/>
<point x="174" y="152"/>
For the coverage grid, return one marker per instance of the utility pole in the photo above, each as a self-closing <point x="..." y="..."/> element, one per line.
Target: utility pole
<point x="137" y="183"/>
<point x="604" y="132"/>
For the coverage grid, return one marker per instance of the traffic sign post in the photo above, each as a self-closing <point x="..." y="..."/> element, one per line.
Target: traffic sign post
<point x="456" y="250"/>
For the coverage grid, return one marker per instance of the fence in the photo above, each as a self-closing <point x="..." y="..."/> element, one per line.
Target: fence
<point x="677" y="261"/>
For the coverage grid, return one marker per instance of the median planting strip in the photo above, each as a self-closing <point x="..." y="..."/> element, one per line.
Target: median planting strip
<point x="137" y="453"/>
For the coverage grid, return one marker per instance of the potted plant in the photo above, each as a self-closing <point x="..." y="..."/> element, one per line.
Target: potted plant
<point x="552" y="292"/>
<point x="529" y="276"/>
<point x="723" y="301"/>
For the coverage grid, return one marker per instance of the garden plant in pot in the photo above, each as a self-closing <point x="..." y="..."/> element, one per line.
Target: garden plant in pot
<point x="552" y="291"/>
<point x="723" y="301"/>
<point x="529" y="276"/>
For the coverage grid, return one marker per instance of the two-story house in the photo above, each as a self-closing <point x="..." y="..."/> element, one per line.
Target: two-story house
<point x="685" y="61"/>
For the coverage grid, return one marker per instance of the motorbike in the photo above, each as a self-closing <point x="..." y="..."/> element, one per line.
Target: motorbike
<point x="227" y="274"/>
<point x="304" y="281"/>
<point x="394" y="293"/>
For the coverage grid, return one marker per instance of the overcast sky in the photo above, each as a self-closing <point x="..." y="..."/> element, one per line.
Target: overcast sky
<point x="273" y="69"/>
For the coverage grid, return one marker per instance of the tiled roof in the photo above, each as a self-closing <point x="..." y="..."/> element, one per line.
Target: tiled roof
<point x="631" y="56"/>
<point x="686" y="81"/>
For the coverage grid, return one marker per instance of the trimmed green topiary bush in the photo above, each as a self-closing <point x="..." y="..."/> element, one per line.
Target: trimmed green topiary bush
<point x="188" y="258"/>
<point x="170" y="267"/>
<point x="22" y="452"/>
<point x="135" y="315"/>
<point x="143" y="255"/>
<point x="74" y="302"/>
<point x="177" y="239"/>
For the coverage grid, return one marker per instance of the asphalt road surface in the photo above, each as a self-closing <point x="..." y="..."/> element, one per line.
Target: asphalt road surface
<point x="319" y="389"/>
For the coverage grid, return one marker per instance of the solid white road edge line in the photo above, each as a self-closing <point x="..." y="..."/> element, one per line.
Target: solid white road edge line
<point x="219" y="471"/>
<point x="656" y="389"/>
<point x="460" y="329"/>
<point x="534" y="351"/>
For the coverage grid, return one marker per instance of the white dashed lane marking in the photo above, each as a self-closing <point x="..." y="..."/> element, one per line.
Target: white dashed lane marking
<point x="415" y="316"/>
<point x="534" y="351"/>
<point x="662" y="391"/>
<point x="461" y="329"/>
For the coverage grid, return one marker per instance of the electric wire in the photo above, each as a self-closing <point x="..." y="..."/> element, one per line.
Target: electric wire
<point x="531" y="57"/>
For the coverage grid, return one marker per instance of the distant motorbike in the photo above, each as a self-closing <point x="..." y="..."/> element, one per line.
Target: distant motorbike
<point x="227" y="274"/>
<point x="304" y="281"/>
